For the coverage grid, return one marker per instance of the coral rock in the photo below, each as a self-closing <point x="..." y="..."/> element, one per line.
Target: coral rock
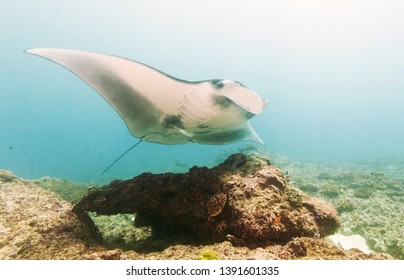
<point x="246" y="198"/>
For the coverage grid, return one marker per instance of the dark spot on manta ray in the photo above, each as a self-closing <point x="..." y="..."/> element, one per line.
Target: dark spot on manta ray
<point x="172" y="121"/>
<point x="202" y="126"/>
<point x="223" y="101"/>
<point x="217" y="83"/>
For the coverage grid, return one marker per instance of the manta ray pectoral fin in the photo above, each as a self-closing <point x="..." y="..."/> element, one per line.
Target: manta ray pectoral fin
<point x="140" y="94"/>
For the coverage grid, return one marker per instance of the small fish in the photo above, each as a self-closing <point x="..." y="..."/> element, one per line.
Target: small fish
<point x="10" y="147"/>
<point x="277" y="221"/>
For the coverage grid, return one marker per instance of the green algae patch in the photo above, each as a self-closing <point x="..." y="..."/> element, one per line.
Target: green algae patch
<point x="208" y="255"/>
<point x="66" y="190"/>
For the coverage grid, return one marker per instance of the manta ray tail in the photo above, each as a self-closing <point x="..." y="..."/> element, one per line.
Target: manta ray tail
<point x="137" y="143"/>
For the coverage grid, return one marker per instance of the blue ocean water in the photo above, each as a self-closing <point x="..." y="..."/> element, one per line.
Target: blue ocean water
<point x="332" y="70"/>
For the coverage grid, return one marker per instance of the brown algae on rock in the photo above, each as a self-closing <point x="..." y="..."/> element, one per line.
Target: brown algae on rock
<point x="216" y="204"/>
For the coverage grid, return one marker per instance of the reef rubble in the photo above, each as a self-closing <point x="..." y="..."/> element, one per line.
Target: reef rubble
<point x="243" y="208"/>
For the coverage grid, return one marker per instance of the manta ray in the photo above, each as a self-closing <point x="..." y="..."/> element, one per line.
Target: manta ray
<point x="160" y="108"/>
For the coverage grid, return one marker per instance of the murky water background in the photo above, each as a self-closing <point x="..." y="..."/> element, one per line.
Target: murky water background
<point x="332" y="70"/>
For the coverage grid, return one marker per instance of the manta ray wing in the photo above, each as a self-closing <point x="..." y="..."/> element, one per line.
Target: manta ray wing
<point x="157" y="107"/>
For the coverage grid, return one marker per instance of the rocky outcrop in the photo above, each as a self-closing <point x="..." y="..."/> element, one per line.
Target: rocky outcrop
<point x="37" y="224"/>
<point x="245" y="200"/>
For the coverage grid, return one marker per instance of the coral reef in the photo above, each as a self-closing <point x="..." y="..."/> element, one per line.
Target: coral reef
<point x="118" y="230"/>
<point x="330" y="188"/>
<point x="369" y="200"/>
<point x="363" y="192"/>
<point x="245" y="199"/>
<point x="37" y="224"/>
<point x="345" y="205"/>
